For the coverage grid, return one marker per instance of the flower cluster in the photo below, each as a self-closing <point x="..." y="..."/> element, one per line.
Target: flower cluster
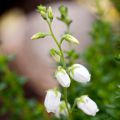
<point x="80" y="74"/>
<point x="54" y="104"/>
<point x="65" y="75"/>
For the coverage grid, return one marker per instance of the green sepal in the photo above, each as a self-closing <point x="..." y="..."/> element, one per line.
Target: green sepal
<point x="60" y="69"/>
<point x="81" y="99"/>
<point x="55" y="54"/>
<point x="71" y="69"/>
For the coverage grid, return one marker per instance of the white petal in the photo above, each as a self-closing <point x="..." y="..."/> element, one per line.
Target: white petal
<point x="79" y="73"/>
<point x="62" y="109"/>
<point x="62" y="77"/>
<point x="87" y="105"/>
<point x="52" y="100"/>
<point x="84" y="109"/>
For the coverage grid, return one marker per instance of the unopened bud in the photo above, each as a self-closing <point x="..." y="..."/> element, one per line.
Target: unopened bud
<point x="41" y="8"/>
<point x="70" y="38"/>
<point x="43" y="14"/>
<point x="55" y="54"/>
<point x="50" y="14"/>
<point x="39" y="35"/>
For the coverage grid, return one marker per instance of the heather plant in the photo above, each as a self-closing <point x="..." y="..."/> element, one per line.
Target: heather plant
<point x="56" y="100"/>
<point x="70" y="101"/>
<point x="102" y="58"/>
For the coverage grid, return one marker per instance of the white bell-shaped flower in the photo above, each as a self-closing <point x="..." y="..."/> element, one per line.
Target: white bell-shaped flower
<point x="52" y="100"/>
<point x="87" y="105"/>
<point x="62" y="77"/>
<point x="79" y="73"/>
<point x="62" y="109"/>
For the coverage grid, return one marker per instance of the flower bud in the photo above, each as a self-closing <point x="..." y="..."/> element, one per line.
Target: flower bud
<point x="52" y="100"/>
<point x="87" y="105"/>
<point x="55" y="54"/>
<point x="50" y="14"/>
<point x="64" y="11"/>
<point x="39" y="35"/>
<point x="79" y="73"/>
<point x="43" y="14"/>
<point x="70" y="38"/>
<point x="41" y="8"/>
<point x="62" y="77"/>
<point x="64" y="15"/>
<point x="62" y="109"/>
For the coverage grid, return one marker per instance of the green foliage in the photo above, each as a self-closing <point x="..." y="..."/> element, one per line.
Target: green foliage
<point x="117" y="4"/>
<point x="13" y="104"/>
<point x="104" y="69"/>
<point x="117" y="49"/>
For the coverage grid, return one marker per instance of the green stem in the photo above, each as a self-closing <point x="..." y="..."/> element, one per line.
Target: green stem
<point x="68" y="29"/>
<point x="66" y="102"/>
<point x="59" y="46"/>
<point x="75" y="102"/>
<point x="64" y="66"/>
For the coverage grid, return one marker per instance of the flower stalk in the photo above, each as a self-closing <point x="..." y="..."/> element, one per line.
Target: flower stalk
<point x="63" y="64"/>
<point x="66" y="102"/>
<point x="57" y="43"/>
<point x="64" y="75"/>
